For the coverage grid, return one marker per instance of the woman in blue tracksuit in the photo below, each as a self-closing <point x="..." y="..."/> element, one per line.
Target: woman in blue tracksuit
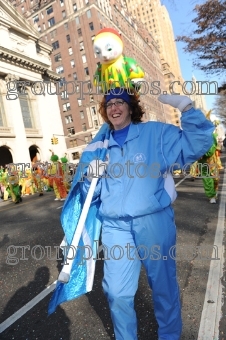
<point x="136" y="193"/>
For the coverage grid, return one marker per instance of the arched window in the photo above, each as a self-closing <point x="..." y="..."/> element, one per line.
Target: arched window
<point x="26" y="111"/>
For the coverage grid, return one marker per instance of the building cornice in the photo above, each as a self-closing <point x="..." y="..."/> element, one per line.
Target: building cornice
<point x="20" y="60"/>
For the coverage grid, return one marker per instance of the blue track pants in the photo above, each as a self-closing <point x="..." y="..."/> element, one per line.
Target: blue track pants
<point x="128" y="243"/>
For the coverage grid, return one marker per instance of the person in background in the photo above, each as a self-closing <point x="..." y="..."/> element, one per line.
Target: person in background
<point x="210" y="172"/>
<point x="57" y="178"/>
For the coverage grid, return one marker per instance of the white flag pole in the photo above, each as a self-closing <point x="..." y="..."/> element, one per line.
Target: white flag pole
<point x="64" y="275"/>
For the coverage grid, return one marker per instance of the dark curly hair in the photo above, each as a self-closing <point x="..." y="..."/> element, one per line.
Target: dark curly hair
<point x="135" y="106"/>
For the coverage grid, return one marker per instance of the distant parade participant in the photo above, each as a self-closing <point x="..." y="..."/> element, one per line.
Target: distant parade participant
<point x="27" y="183"/>
<point x="57" y="178"/>
<point x="15" y="188"/>
<point x="2" y="184"/>
<point x="65" y="173"/>
<point x="210" y="172"/>
<point x="38" y="177"/>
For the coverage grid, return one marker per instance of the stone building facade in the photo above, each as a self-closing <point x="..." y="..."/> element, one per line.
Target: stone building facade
<point x="28" y="117"/>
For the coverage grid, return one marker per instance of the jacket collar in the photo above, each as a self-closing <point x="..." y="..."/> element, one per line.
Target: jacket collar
<point x="133" y="133"/>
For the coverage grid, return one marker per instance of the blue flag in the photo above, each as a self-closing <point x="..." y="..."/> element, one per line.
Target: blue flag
<point x="82" y="273"/>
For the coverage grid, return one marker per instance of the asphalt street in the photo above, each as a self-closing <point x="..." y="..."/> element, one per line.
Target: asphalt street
<point x="36" y="221"/>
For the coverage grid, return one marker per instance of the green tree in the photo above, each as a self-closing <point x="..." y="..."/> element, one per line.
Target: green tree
<point x="208" y="39"/>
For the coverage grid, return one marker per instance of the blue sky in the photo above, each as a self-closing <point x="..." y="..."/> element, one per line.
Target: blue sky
<point x="181" y="14"/>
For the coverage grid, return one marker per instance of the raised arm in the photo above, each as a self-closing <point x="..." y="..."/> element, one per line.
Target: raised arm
<point x="195" y="137"/>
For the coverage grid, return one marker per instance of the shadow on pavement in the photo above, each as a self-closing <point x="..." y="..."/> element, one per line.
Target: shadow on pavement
<point x="35" y="324"/>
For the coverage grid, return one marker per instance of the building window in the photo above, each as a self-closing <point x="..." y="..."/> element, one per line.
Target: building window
<point x="70" y="52"/>
<point x="79" y="32"/>
<point x="36" y="19"/>
<point x="77" y="21"/>
<point x="84" y="128"/>
<point x="73" y="143"/>
<point x="89" y="86"/>
<point x="51" y="22"/>
<point x="86" y="69"/>
<point x="84" y="58"/>
<point x="57" y="57"/>
<point x="64" y="95"/>
<point x="62" y="81"/>
<point x="91" y="26"/>
<point x="66" y="107"/>
<point x="82" y="115"/>
<point x="75" y="155"/>
<point x="68" y="119"/>
<point x="81" y="46"/>
<point x="39" y="28"/>
<point x="72" y="63"/>
<point x="60" y="69"/>
<point x="77" y="88"/>
<point x="95" y="123"/>
<point x="79" y="102"/>
<point x="68" y="38"/>
<point x="93" y="110"/>
<point x="91" y="99"/>
<point x="64" y="14"/>
<point x="86" y="2"/>
<point x="86" y="139"/>
<point x="92" y="38"/>
<point x="71" y="130"/>
<point x="53" y="33"/>
<point x="75" y="76"/>
<point x="61" y="3"/>
<point x="55" y="45"/>
<point x="49" y="10"/>
<point x="88" y="13"/>
<point x="26" y="111"/>
<point x="75" y="7"/>
<point x="66" y="26"/>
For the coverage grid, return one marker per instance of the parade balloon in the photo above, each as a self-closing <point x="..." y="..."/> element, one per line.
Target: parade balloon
<point x="114" y="70"/>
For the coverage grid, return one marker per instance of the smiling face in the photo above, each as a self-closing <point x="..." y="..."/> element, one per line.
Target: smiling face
<point x="108" y="47"/>
<point x="120" y="114"/>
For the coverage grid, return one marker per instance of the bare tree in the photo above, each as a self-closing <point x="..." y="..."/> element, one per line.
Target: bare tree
<point x="208" y="40"/>
<point x="220" y="105"/>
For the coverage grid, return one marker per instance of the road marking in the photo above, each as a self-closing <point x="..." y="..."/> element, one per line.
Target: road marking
<point x="182" y="180"/>
<point x="8" y="322"/>
<point x="60" y="207"/>
<point x="211" y="313"/>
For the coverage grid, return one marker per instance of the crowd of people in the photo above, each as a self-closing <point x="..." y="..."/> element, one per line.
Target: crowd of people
<point x="16" y="183"/>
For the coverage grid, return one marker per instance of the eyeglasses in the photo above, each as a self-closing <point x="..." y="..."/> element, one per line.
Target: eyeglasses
<point x="117" y="103"/>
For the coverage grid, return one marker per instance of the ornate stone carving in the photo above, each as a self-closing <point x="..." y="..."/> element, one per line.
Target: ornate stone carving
<point x="11" y="77"/>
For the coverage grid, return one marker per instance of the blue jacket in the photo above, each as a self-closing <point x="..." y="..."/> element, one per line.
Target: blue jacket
<point x="134" y="184"/>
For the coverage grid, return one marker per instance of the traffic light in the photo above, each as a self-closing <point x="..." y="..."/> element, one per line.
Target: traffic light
<point x="54" y="140"/>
